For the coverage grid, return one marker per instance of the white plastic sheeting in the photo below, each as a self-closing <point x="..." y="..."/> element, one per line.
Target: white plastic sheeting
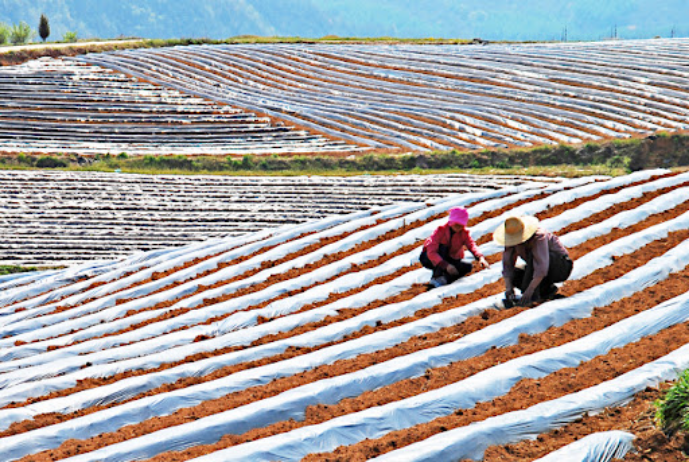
<point x="247" y="335"/>
<point x="104" y="215"/>
<point x="236" y="303"/>
<point x="233" y="248"/>
<point x="159" y="260"/>
<point x="509" y="83"/>
<point x="291" y="404"/>
<point x="597" y="447"/>
<point x="377" y="421"/>
<point x="81" y="88"/>
<point x="471" y="441"/>
<point x="56" y="279"/>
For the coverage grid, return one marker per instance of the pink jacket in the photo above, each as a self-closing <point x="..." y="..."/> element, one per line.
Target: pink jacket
<point x="442" y="236"/>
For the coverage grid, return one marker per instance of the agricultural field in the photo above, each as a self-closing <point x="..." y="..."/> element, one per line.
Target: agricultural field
<point x="321" y="341"/>
<point x="60" y="218"/>
<point x="312" y="98"/>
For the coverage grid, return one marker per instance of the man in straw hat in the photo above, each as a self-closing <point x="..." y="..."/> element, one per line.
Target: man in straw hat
<point x="444" y="250"/>
<point x="547" y="260"/>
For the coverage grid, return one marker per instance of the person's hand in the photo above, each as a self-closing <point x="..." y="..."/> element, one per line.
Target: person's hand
<point x="509" y="294"/>
<point x="527" y="297"/>
<point x="484" y="263"/>
<point x="452" y="271"/>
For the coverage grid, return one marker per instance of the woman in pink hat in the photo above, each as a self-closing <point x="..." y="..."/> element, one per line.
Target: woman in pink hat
<point x="444" y="250"/>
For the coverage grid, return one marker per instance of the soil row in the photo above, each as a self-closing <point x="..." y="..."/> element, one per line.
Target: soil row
<point x="638" y="418"/>
<point x="329" y="259"/>
<point x="343" y="315"/>
<point x="408" y="388"/>
<point x="292" y="273"/>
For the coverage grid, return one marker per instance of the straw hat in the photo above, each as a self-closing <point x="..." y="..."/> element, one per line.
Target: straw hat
<point x="515" y="230"/>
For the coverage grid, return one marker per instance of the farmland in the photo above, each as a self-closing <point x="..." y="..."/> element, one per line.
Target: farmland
<point x="64" y="218"/>
<point x="320" y="340"/>
<point x="307" y="98"/>
<point x="213" y="318"/>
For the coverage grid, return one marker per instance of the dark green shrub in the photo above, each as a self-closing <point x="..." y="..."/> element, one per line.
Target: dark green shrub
<point x="23" y="159"/>
<point x="51" y="162"/>
<point x="324" y="163"/>
<point x="247" y="163"/>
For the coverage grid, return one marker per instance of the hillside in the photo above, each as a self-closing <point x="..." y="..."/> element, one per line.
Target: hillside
<point x="315" y="98"/>
<point x="499" y="20"/>
<point x="321" y="341"/>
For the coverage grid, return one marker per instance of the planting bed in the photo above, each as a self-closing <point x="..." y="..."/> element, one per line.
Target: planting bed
<point x="426" y="97"/>
<point x="61" y="218"/>
<point x="51" y="105"/>
<point x="311" y="98"/>
<point x="320" y="341"/>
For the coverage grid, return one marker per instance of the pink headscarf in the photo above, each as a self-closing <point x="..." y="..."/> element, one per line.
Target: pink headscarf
<point x="458" y="215"/>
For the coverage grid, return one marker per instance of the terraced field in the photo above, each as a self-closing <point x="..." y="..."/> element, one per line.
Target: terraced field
<point x="62" y="218"/>
<point x="324" y="98"/>
<point x="320" y="341"/>
<point x="62" y="106"/>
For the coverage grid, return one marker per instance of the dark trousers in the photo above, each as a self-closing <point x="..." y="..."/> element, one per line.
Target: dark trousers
<point x="559" y="270"/>
<point x="463" y="268"/>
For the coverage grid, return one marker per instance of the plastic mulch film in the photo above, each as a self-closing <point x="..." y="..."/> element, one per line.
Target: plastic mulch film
<point x="139" y="266"/>
<point x="234" y="247"/>
<point x="235" y="304"/>
<point x="597" y="447"/>
<point x="29" y="330"/>
<point x="292" y="403"/>
<point x="247" y="335"/>
<point x="634" y="107"/>
<point x="375" y="422"/>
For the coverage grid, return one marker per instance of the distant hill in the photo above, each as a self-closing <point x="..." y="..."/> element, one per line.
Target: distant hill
<point x="495" y="20"/>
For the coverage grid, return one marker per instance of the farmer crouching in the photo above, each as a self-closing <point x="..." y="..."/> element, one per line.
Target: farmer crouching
<point x="443" y="251"/>
<point x="546" y="260"/>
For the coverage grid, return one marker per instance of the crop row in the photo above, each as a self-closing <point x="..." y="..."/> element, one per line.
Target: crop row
<point x="59" y="218"/>
<point x="321" y="337"/>
<point x="437" y="97"/>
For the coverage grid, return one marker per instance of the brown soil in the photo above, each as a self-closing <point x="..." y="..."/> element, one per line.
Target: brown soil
<point x="435" y="378"/>
<point x="344" y="314"/>
<point x="154" y="277"/>
<point x="220" y="266"/>
<point x="620" y="418"/>
<point x="524" y="394"/>
<point x="652" y="445"/>
<point x="294" y="272"/>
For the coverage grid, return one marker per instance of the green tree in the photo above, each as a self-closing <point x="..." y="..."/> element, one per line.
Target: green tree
<point x="21" y="33"/>
<point x="44" y="27"/>
<point x="69" y="37"/>
<point x="4" y="33"/>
